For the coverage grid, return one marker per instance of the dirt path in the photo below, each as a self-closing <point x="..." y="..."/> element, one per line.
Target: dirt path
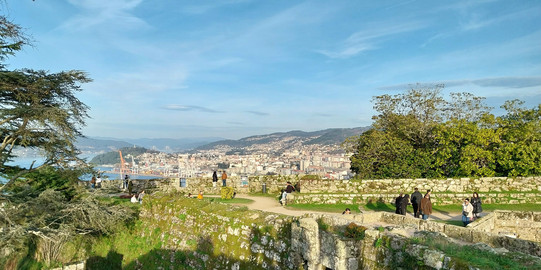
<point x="272" y="205"/>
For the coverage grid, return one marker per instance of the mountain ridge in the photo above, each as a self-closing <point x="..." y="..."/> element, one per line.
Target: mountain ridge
<point x="295" y="137"/>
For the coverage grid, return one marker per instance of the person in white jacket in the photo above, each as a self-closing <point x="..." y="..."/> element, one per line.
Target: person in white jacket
<point x="467" y="212"/>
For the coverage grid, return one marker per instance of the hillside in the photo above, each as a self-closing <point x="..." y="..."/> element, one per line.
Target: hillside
<point x="114" y="157"/>
<point x="95" y="145"/>
<point x="287" y="139"/>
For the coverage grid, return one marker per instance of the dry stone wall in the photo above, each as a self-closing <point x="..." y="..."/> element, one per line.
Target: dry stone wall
<point x="437" y="198"/>
<point x="207" y="235"/>
<point x="445" y="191"/>
<point x="218" y="236"/>
<point x="523" y="225"/>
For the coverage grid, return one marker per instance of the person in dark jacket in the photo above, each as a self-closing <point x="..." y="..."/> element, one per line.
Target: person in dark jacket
<point x="404" y="204"/>
<point x="476" y="203"/>
<point x="214" y="179"/>
<point x="290" y="188"/>
<point x="398" y="203"/>
<point x="416" y="198"/>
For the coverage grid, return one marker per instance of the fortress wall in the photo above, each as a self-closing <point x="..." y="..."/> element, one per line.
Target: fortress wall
<point x="437" y="198"/>
<point x="208" y="235"/>
<point x="445" y="191"/>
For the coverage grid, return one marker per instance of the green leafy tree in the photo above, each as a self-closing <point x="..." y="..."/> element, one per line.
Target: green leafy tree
<point x="420" y="134"/>
<point x="466" y="148"/>
<point x="38" y="109"/>
<point x="519" y="153"/>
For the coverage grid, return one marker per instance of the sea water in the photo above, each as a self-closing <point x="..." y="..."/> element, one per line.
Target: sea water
<point x="25" y="162"/>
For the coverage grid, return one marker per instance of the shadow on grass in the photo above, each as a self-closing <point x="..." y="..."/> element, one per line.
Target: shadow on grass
<point x="112" y="261"/>
<point x="379" y="205"/>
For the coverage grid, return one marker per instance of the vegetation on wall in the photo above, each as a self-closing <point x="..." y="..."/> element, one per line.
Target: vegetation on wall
<point x="419" y="134"/>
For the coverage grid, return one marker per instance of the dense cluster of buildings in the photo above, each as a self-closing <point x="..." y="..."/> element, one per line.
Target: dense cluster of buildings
<point x="328" y="162"/>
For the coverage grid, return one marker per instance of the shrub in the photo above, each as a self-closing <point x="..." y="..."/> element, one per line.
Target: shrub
<point x="227" y="193"/>
<point x="355" y="231"/>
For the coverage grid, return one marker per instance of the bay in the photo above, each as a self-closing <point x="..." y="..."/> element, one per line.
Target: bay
<point x="106" y="173"/>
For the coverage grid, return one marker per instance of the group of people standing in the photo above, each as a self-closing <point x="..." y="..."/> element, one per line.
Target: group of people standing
<point x="422" y="206"/>
<point x="215" y="179"/>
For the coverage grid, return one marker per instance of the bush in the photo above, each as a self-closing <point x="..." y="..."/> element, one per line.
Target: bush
<point x="355" y="231"/>
<point x="227" y="193"/>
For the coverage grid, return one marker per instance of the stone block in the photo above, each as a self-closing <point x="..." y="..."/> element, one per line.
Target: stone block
<point x="461" y="233"/>
<point x="433" y="258"/>
<point x="482" y="237"/>
<point x="431" y="226"/>
<point x="372" y="217"/>
<point x="392" y="218"/>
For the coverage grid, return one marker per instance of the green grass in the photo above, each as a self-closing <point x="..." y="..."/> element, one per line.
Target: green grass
<point x="234" y="200"/>
<point x="465" y="256"/>
<point x="387" y="207"/>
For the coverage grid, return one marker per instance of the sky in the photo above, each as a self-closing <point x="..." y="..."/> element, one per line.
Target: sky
<point x="237" y="68"/>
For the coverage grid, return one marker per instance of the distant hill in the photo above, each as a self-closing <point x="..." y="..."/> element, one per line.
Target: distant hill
<point x="103" y="144"/>
<point x="114" y="157"/>
<point x="173" y="145"/>
<point x="287" y="139"/>
<point x="94" y="145"/>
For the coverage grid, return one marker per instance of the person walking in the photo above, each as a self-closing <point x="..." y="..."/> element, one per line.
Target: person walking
<point x="125" y="183"/>
<point x="467" y="212"/>
<point x="224" y="179"/>
<point x="426" y="206"/>
<point x="476" y="203"/>
<point x="214" y="179"/>
<point x="398" y="203"/>
<point x="404" y="204"/>
<point x="416" y="197"/>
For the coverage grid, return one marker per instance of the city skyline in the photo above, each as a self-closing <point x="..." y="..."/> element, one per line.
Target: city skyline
<point x="233" y="69"/>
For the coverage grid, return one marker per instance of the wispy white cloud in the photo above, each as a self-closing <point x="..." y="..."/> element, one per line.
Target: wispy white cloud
<point x="370" y="37"/>
<point x="477" y="20"/>
<point x="112" y="14"/>
<point x="258" y="113"/>
<point x="177" y="107"/>
<point x="504" y="82"/>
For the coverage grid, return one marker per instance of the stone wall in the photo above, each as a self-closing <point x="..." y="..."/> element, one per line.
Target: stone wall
<point x="493" y="190"/>
<point x="437" y="198"/>
<point x="218" y="236"/>
<point x="522" y="185"/>
<point x="395" y="186"/>
<point x="382" y="248"/>
<point x="486" y="232"/>
<point x="523" y="225"/>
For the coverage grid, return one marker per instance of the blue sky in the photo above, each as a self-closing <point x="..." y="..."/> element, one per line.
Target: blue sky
<point x="235" y="68"/>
